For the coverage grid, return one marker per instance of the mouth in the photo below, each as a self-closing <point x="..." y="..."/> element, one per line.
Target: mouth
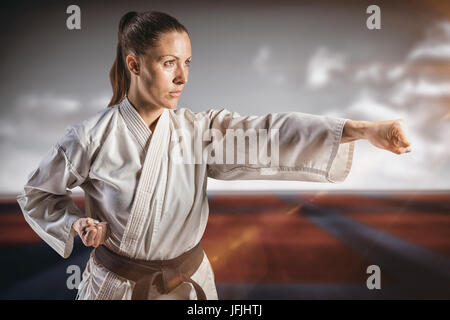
<point x="175" y="93"/>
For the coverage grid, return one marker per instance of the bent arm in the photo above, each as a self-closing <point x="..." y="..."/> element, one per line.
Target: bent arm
<point x="46" y="202"/>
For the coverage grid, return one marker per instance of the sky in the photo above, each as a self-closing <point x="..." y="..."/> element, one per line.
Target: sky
<point x="252" y="57"/>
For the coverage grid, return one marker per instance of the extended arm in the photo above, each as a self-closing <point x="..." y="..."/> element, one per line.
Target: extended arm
<point x="303" y="147"/>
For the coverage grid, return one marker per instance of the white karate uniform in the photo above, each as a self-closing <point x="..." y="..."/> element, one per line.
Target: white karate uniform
<point x="157" y="207"/>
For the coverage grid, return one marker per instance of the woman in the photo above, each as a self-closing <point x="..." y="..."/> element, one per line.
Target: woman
<point x="152" y="207"/>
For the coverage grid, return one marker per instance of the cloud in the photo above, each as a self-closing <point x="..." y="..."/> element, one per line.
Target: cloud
<point x="320" y="67"/>
<point x="436" y="44"/>
<point x="436" y="51"/>
<point x="260" y="63"/>
<point x="261" y="59"/>
<point x="396" y="72"/>
<point x="434" y="47"/>
<point x="48" y="103"/>
<point x="379" y="73"/>
<point x="409" y="89"/>
<point x="40" y="117"/>
<point x="371" y="72"/>
<point x="366" y="107"/>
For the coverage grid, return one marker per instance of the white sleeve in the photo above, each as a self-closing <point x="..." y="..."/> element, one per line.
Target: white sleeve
<point x="46" y="202"/>
<point x="305" y="147"/>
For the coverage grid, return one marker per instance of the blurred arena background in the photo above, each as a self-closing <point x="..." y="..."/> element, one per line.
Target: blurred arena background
<point x="265" y="239"/>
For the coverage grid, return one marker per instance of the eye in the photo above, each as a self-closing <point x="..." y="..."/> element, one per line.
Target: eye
<point x="170" y="63"/>
<point x="188" y="63"/>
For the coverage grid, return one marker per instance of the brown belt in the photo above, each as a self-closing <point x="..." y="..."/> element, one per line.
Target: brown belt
<point x="166" y="274"/>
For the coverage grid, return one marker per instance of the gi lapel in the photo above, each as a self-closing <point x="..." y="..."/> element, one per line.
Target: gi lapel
<point x="135" y="123"/>
<point x="147" y="182"/>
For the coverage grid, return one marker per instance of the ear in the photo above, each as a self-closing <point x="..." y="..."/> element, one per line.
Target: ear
<point x="132" y="64"/>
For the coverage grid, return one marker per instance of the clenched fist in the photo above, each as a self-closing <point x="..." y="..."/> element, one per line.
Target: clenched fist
<point x="91" y="232"/>
<point x="389" y="135"/>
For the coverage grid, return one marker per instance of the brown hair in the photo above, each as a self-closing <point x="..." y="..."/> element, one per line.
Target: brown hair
<point x="137" y="32"/>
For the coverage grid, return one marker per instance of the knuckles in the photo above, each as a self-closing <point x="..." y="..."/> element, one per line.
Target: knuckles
<point x="91" y="234"/>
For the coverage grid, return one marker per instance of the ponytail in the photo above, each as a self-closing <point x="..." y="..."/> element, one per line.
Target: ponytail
<point x="118" y="75"/>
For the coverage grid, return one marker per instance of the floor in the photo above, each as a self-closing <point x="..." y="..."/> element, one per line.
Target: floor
<point x="306" y="245"/>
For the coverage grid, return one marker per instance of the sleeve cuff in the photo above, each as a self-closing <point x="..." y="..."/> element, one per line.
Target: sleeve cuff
<point x="341" y="158"/>
<point x="63" y="248"/>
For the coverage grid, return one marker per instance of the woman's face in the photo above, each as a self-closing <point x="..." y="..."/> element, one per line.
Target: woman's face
<point x="165" y="69"/>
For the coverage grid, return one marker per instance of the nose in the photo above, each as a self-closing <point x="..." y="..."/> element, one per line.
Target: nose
<point x="181" y="75"/>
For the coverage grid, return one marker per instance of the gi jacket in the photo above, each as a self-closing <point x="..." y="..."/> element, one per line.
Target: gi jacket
<point x="151" y="186"/>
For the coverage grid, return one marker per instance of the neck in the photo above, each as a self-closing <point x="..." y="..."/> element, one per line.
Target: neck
<point x="148" y="112"/>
